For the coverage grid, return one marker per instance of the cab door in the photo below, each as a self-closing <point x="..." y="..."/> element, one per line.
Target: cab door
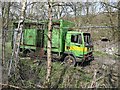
<point x="75" y="44"/>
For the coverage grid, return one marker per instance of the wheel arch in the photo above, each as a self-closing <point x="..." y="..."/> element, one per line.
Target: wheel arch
<point x="69" y="53"/>
<point x="69" y="58"/>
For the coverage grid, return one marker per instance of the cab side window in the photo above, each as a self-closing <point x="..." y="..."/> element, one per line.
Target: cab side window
<point x="76" y="39"/>
<point x="80" y="39"/>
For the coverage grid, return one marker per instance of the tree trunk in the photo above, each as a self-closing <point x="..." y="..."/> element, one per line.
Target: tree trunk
<point x="49" y="42"/>
<point x="17" y="37"/>
<point x="87" y="12"/>
<point x="3" y="43"/>
<point x="118" y="61"/>
<point x="5" y="23"/>
<point x="19" y="30"/>
<point x="3" y="46"/>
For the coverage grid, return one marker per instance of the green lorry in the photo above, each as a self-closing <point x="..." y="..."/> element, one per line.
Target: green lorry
<point x="67" y="44"/>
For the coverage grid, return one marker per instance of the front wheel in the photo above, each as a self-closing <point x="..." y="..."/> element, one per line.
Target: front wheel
<point x="70" y="60"/>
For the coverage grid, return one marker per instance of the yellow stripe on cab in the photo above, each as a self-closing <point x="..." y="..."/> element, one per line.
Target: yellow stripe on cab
<point x="78" y="48"/>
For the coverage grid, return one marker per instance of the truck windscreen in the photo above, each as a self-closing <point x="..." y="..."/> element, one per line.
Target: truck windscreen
<point x="87" y="39"/>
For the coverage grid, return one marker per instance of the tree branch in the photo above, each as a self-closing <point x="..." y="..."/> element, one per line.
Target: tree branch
<point x="117" y="7"/>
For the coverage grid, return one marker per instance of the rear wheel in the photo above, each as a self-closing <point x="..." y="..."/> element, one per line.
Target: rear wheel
<point x="70" y="60"/>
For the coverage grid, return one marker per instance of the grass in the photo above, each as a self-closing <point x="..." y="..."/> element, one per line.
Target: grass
<point x="62" y="76"/>
<point x="103" y="54"/>
<point x="99" y="53"/>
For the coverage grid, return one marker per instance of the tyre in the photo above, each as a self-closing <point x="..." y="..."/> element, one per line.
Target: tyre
<point x="70" y="60"/>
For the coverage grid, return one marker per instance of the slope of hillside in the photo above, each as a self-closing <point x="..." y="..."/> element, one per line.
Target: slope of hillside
<point x="110" y="33"/>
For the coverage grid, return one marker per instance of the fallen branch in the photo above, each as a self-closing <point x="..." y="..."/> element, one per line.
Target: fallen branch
<point x="103" y="76"/>
<point x="12" y="86"/>
<point x="39" y="86"/>
<point x="93" y="84"/>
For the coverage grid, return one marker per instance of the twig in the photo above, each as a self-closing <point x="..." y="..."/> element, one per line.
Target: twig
<point x="7" y="85"/>
<point x="39" y="86"/>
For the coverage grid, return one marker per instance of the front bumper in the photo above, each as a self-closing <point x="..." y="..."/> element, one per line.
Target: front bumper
<point x="88" y="57"/>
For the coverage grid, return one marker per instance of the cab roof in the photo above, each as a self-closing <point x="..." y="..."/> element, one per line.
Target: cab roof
<point x="77" y="32"/>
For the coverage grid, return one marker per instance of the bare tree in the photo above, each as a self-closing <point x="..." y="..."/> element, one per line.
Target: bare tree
<point x="20" y="28"/>
<point x="49" y="42"/>
<point x="17" y="36"/>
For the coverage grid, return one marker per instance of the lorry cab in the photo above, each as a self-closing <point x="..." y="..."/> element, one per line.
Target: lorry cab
<point x="78" y="47"/>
